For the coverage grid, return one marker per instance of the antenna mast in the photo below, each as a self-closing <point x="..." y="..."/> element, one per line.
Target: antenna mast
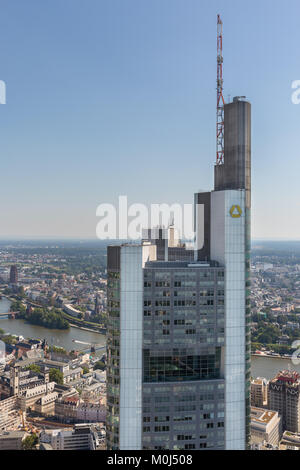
<point x="220" y="98"/>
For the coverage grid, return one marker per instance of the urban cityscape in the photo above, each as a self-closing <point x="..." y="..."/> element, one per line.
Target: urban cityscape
<point x="157" y="343"/>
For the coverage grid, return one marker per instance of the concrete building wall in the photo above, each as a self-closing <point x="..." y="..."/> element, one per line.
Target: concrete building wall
<point x="235" y="173"/>
<point x="202" y="211"/>
<point x="265" y="427"/>
<point x="131" y="343"/>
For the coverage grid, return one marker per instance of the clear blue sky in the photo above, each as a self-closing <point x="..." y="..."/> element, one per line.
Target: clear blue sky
<point x="109" y="97"/>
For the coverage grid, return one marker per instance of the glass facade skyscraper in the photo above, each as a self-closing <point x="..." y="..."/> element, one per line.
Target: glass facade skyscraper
<point x="178" y="337"/>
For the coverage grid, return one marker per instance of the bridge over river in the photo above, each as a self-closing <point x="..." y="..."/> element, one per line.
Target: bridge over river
<point x="8" y="314"/>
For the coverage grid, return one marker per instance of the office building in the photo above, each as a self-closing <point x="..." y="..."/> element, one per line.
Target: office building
<point x="290" y="441"/>
<point x="265" y="427"/>
<point x="12" y="440"/>
<point x="259" y="392"/>
<point x="13" y="275"/>
<point x="178" y="337"/>
<point x="81" y="437"/>
<point x="284" y="397"/>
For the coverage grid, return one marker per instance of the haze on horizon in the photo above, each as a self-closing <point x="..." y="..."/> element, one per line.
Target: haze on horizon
<point x="118" y="98"/>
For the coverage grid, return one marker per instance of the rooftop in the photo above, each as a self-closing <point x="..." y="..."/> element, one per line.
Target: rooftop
<point x="182" y="264"/>
<point x="287" y="376"/>
<point x="259" y="415"/>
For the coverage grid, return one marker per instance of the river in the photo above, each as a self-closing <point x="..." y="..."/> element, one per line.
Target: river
<point x="61" y="338"/>
<point x="260" y="366"/>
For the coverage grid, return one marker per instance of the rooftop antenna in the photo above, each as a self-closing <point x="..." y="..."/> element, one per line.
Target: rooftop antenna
<point x="220" y="98"/>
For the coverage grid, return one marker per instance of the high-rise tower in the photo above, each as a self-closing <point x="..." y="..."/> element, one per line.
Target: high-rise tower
<point x="13" y="275"/>
<point x="178" y="336"/>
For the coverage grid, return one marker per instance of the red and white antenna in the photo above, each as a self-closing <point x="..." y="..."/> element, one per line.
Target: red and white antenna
<point x="220" y="98"/>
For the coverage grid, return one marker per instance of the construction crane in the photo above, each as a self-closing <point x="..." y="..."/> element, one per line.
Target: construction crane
<point x="24" y="426"/>
<point x="220" y="97"/>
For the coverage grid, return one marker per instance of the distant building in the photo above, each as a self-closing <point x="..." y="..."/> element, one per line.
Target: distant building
<point x="81" y="437"/>
<point x="91" y="413"/>
<point x="69" y="409"/>
<point x="284" y="397"/>
<point x="12" y="440"/>
<point x="72" y="374"/>
<point x="97" y="305"/>
<point x="23" y="347"/>
<point x="28" y="387"/>
<point x="74" y="312"/>
<point x="9" y="413"/>
<point x="290" y="440"/>
<point x="68" y="374"/>
<point x="265" y="427"/>
<point x="259" y="392"/>
<point x="13" y="276"/>
<point x="66" y="408"/>
<point x="62" y="366"/>
<point x="46" y="404"/>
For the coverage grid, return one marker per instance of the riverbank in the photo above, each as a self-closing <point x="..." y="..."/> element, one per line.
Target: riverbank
<point x="59" y="338"/>
<point x="273" y="356"/>
<point x="269" y="366"/>
<point x="261" y="365"/>
<point x="101" y="330"/>
<point x="84" y="324"/>
<point x="74" y="322"/>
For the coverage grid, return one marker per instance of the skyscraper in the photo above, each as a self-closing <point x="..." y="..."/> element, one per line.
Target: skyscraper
<point x="284" y="397"/>
<point x="13" y="275"/>
<point x="178" y="337"/>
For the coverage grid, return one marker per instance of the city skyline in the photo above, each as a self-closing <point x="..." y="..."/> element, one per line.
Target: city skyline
<point x="109" y="93"/>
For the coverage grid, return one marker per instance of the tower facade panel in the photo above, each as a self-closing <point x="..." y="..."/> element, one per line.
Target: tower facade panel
<point x="228" y="247"/>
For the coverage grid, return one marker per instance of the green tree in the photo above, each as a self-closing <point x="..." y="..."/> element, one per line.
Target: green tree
<point x="99" y="365"/>
<point x="34" y="368"/>
<point x="266" y="334"/>
<point x="29" y="442"/>
<point x="8" y="339"/>
<point x="57" y="376"/>
<point x="46" y="318"/>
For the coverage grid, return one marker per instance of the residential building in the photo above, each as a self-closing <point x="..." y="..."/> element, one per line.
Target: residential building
<point x="259" y="392"/>
<point x="9" y="413"/>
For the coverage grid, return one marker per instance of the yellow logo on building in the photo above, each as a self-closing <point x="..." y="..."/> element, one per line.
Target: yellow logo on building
<point x="235" y="211"/>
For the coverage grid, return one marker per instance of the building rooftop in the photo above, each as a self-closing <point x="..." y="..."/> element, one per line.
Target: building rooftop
<point x="13" y="435"/>
<point x="259" y="381"/>
<point x="182" y="264"/>
<point x="261" y="416"/>
<point x="288" y="376"/>
<point x="291" y="437"/>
